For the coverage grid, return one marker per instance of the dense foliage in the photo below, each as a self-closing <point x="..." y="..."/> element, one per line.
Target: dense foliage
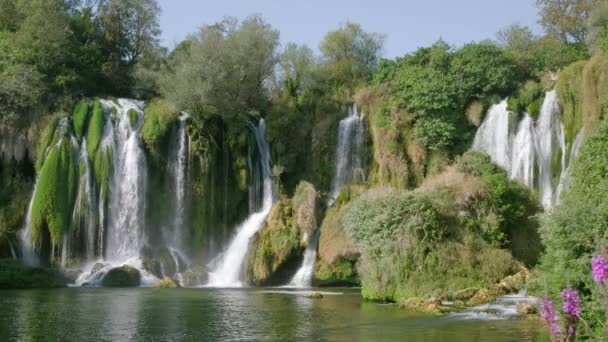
<point x="576" y="230"/>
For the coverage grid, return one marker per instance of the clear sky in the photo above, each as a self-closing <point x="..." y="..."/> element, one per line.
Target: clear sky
<point x="407" y="24"/>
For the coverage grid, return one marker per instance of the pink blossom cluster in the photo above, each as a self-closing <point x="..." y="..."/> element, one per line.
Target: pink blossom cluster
<point x="599" y="268"/>
<point x="549" y="315"/>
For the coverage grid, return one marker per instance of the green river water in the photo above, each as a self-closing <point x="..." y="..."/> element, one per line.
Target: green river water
<point x="256" y="314"/>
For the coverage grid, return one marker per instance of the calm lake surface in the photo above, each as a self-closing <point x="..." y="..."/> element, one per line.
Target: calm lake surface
<point x="139" y="314"/>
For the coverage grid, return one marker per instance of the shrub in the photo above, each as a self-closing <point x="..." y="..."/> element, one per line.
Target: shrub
<point x="573" y="231"/>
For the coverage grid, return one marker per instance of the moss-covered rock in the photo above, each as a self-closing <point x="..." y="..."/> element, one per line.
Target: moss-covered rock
<point x="14" y="275"/>
<point x="167" y="283"/>
<point x="79" y="119"/>
<point x="337" y="254"/>
<point x="55" y="194"/>
<point x="158" y="119"/>
<point x="429" y="306"/>
<point x="123" y="276"/>
<point x="275" y="247"/>
<point x="275" y="250"/>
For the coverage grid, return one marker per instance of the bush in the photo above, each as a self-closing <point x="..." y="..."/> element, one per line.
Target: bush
<point x="574" y="231"/>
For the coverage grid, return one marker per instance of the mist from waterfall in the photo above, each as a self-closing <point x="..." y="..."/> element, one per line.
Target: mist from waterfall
<point x="529" y="151"/>
<point x="226" y="270"/>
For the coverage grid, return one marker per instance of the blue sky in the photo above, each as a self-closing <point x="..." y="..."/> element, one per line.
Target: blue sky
<point x="407" y="24"/>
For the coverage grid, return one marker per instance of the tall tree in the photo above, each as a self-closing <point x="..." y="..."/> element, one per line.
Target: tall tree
<point x="566" y="19"/>
<point x="351" y="53"/>
<point x="222" y="69"/>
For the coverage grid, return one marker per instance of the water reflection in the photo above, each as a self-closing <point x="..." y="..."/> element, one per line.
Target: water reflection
<point x="231" y="315"/>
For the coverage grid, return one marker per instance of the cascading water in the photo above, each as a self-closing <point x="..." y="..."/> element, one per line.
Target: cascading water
<point x="127" y="198"/>
<point x="349" y="151"/>
<point x="564" y="181"/>
<point x="303" y="277"/>
<point x="493" y="135"/>
<point x="178" y="167"/>
<point x="349" y="167"/>
<point x="84" y="215"/>
<point x="227" y="270"/>
<point x="531" y="151"/>
<point x="28" y="251"/>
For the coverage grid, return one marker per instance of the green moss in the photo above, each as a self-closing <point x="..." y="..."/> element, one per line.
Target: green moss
<point x="95" y="129"/>
<point x="275" y="245"/>
<point x="54" y="196"/>
<point x="534" y="108"/>
<point x="79" y="118"/>
<point x="569" y="88"/>
<point x="158" y="120"/>
<point x="47" y="140"/>
<point x="133" y="117"/>
<point x="523" y="99"/>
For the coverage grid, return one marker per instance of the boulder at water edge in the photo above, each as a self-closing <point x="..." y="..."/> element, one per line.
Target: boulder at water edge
<point x="123" y="276"/>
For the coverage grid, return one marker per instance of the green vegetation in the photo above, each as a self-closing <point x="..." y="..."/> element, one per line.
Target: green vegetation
<point x="576" y="230"/>
<point x="55" y="194"/>
<point x="462" y="228"/>
<point x="582" y="89"/>
<point x="79" y="118"/>
<point x="133" y="117"/>
<point x="14" y="275"/>
<point x="95" y="130"/>
<point x="276" y="250"/>
<point x="158" y="119"/>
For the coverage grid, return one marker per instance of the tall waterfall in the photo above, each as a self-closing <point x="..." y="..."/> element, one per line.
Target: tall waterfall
<point x="349" y="168"/>
<point x="179" y="168"/>
<point x="349" y="152"/>
<point x="530" y="151"/>
<point x="227" y="270"/>
<point x="127" y="198"/>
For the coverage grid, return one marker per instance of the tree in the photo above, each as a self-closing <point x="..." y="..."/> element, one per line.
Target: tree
<point x="296" y="66"/>
<point x="351" y="53"/>
<point x="222" y="69"/>
<point x="597" y="26"/>
<point x="566" y="19"/>
<point x="132" y="26"/>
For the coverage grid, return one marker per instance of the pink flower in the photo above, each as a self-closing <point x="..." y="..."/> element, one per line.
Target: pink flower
<point x="599" y="268"/>
<point x="549" y="315"/>
<point x="572" y="303"/>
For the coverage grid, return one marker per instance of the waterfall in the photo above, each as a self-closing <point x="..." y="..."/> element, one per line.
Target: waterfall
<point x="350" y="167"/>
<point x="349" y="151"/>
<point x="28" y="251"/>
<point x="532" y="151"/>
<point x="564" y="181"/>
<point x="227" y="270"/>
<point x="128" y="186"/>
<point x="179" y="166"/>
<point x="523" y="158"/>
<point x="303" y="277"/>
<point x="493" y="135"/>
<point x="84" y="214"/>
